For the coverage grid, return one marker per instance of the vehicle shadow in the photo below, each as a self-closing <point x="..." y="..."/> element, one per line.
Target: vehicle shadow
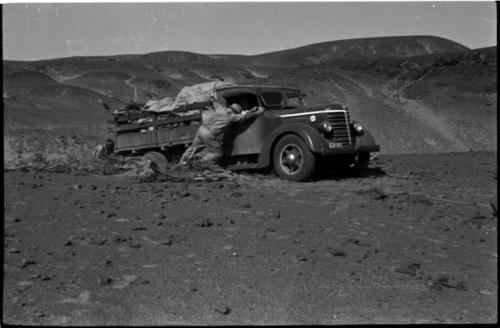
<point x="319" y="175"/>
<point x="330" y="174"/>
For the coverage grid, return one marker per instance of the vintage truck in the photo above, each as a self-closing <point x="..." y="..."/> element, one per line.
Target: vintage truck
<point x="288" y="136"/>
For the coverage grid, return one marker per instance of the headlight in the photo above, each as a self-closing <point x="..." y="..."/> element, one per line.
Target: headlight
<point x="326" y="127"/>
<point x="358" y="128"/>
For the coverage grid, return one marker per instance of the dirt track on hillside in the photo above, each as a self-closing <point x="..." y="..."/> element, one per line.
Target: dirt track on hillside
<point x="414" y="242"/>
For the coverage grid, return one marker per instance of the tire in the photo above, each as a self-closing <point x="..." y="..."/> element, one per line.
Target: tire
<point x="158" y="161"/>
<point x="361" y="164"/>
<point x="292" y="159"/>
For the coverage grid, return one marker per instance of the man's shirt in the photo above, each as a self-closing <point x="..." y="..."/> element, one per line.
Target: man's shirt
<point x="221" y="117"/>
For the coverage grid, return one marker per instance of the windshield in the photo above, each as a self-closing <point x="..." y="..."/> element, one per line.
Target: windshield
<point x="272" y="99"/>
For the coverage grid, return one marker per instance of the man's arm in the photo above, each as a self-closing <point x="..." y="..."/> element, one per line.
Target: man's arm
<point x="247" y="114"/>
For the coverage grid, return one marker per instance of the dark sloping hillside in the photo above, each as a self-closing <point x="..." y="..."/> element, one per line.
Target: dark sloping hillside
<point x="367" y="48"/>
<point x="445" y="102"/>
<point x="33" y="99"/>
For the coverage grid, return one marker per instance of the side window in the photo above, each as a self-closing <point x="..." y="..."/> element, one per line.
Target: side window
<point x="247" y="101"/>
<point x="272" y="99"/>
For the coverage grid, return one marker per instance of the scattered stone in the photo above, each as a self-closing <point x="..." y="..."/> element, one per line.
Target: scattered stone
<point x="139" y="228"/>
<point x="236" y="194"/>
<point x="39" y="314"/>
<point x="205" y="223"/>
<point x="339" y="254"/>
<point x="12" y="219"/>
<point x="225" y="311"/>
<point x="160" y="216"/>
<point x="448" y="282"/>
<point x="409" y="270"/>
<point x="13" y="250"/>
<point x="149" y="266"/>
<point x="77" y="186"/>
<point x="357" y="242"/>
<point x="25" y="283"/>
<point x="485" y="292"/>
<point x="125" y="281"/>
<point x="150" y="240"/>
<point x="25" y="263"/>
<point x="277" y="214"/>
<point x="136" y="246"/>
<point x="104" y="281"/>
<point x="119" y="239"/>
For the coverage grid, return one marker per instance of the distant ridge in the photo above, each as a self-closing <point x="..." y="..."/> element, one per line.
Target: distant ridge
<point x="368" y="48"/>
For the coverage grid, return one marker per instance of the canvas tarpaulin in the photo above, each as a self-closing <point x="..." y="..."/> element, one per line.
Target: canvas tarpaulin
<point x="195" y="94"/>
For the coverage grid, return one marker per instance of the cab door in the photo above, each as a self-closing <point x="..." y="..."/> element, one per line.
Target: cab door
<point x="248" y="137"/>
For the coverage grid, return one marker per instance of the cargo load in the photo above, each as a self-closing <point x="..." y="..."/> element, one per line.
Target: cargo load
<point x="198" y="94"/>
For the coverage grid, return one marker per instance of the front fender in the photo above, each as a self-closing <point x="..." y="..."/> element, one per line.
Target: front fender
<point x="366" y="140"/>
<point x="308" y="133"/>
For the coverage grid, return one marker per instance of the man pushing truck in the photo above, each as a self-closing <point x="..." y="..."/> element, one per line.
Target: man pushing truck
<point x="211" y="132"/>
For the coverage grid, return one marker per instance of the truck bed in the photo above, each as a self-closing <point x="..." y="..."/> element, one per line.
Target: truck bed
<point x="155" y="131"/>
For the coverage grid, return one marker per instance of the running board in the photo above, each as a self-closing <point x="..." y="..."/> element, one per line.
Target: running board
<point x="244" y="166"/>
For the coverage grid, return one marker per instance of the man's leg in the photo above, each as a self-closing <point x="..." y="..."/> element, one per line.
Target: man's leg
<point x="195" y="146"/>
<point x="214" y="149"/>
<point x="212" y="158"/>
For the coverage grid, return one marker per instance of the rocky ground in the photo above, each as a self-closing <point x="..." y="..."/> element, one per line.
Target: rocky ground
<point x="413" y="242"/>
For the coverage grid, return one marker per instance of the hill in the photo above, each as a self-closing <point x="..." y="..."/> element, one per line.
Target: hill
<point x="366" y="49"/>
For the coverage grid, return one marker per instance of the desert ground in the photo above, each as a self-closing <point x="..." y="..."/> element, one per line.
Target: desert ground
<point x="414" y="241"/>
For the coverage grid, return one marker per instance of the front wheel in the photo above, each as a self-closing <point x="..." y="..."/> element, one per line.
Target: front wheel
<point x="361" y="164"/>
<point x="292" y="159"/>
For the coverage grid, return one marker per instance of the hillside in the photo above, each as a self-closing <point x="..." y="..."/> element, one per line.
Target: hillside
<point x="441" y="102"/>
<point x="415" y="93"/>
<point x="366" y="48"/>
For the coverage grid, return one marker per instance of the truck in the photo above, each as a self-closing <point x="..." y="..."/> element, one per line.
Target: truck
<point x="289" y="136"/>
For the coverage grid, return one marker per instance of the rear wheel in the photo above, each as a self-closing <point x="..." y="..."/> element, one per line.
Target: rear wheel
<point x="292" y="159"/>
<point x="158" y="161"/>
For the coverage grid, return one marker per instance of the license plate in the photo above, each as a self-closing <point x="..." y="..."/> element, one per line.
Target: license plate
<point x="334" y="144"/>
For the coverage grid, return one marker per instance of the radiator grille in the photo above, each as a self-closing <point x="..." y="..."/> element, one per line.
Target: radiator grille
<point x="341" y="131"/>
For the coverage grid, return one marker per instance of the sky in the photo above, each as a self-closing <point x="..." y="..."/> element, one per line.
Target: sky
<point x="41" y="30"/>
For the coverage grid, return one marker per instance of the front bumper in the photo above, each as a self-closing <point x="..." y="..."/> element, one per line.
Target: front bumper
<point x="326" y="149"/>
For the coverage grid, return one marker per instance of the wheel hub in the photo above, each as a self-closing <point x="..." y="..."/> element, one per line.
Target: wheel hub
<point x="291" y="158"/>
